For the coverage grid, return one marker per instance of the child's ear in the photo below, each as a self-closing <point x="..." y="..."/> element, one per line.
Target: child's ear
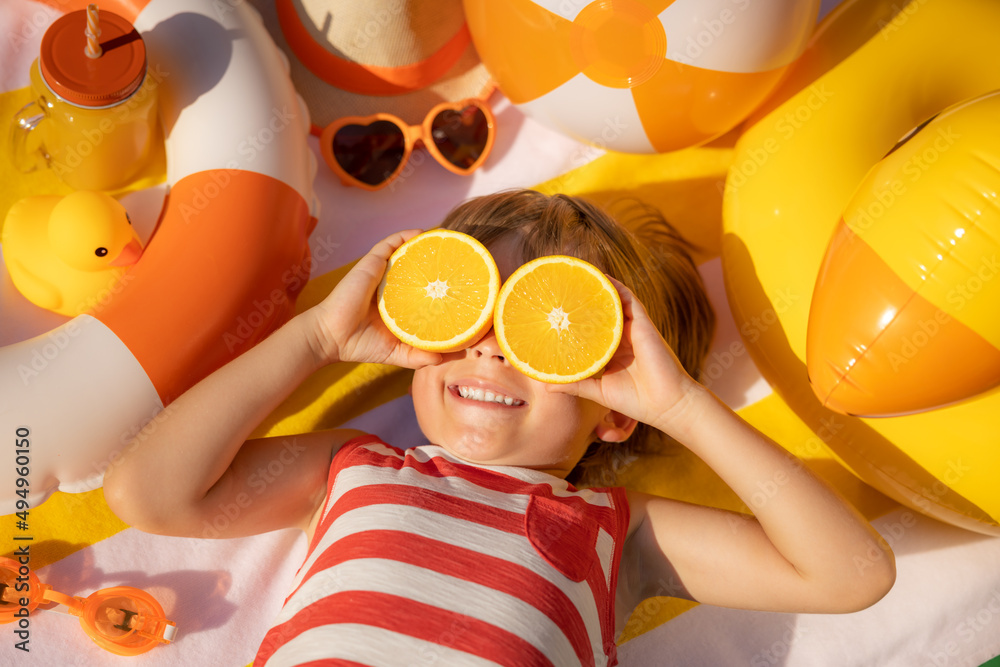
<point x="615" y="427"/>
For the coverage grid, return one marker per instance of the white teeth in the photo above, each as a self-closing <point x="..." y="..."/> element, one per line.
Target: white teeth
<point x="477" y="394"/>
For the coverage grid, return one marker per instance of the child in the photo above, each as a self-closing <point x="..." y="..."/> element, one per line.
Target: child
<point x="475" y="550"/>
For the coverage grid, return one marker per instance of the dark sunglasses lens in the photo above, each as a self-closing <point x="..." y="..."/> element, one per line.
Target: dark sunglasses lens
<point x="461" y="136"/>
<point x="370" y="153"/>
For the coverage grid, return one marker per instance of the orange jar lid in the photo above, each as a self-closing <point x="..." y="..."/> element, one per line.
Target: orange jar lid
<point x="92" y="82"/>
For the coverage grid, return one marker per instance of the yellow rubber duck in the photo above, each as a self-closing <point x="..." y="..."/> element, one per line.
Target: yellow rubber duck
<point x="64" y="253"/>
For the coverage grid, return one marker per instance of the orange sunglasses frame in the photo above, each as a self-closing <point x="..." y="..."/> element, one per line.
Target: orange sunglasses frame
<point x="412" y="135"/>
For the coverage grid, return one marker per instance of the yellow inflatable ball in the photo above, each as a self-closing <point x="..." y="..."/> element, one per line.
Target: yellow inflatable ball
<point x="905" y="315"/>
<point x="832" y="162"/>
<point x="639" y="76"/>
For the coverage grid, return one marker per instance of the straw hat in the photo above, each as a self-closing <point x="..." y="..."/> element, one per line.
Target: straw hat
<point x="360" y="57"/>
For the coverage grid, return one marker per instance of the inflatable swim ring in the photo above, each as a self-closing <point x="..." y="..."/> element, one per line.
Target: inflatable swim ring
<point x="223" y="268"/>
<point x="639" y="76"/>
<point x="793" y="176"/>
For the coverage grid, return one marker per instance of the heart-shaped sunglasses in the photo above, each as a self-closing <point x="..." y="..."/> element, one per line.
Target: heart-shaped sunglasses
<point x="370" y="151"/>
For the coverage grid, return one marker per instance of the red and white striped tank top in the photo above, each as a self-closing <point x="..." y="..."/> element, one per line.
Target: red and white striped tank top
<point x="422" y="559"/>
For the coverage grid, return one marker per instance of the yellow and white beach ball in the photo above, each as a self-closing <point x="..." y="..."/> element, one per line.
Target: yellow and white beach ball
<point x="639" y="76"/>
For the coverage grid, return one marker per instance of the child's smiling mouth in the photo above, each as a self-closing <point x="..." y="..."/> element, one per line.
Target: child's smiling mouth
<point x="484" y="395"/>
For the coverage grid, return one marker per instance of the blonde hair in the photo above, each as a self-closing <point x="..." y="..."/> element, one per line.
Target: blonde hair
<point x="643" y="251"/>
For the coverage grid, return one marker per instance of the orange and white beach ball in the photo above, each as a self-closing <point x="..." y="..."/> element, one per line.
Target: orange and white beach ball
<point x="639" y="76"/>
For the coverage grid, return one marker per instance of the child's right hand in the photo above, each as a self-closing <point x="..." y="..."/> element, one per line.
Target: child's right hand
<point x="644" y="379"/>
<point x="346" y="325"/>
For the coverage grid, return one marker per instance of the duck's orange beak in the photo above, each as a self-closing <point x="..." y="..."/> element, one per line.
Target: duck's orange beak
<point x="129" y="255"/>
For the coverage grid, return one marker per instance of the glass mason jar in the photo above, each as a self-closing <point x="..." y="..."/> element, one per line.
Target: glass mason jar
<point x="92" y="120"/>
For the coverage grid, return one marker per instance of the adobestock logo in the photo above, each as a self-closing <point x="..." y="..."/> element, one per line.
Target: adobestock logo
<point x="258" y="481"/>
<point x="913" y="169"/>
<point x="47" y="350"/>
<point x="247" y="326"/>
<point x="901" y="16"/>
<point x="776" y="652"/>
<point x="787" y="125"/>
<point x="123" y="115"/>
<point x="711" y="30"/>
<point x="959" y="296"/>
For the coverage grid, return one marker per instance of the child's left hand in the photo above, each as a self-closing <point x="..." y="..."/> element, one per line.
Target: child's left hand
<point x="800" y="550"/>
<point x="644" y="380"/>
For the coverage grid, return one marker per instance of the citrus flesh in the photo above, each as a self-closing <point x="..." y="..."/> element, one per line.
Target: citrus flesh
<point x="439" y="291"/>
<point x="558" y="319"/>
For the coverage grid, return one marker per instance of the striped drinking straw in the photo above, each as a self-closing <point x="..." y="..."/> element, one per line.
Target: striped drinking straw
<point x="93" y="31"/>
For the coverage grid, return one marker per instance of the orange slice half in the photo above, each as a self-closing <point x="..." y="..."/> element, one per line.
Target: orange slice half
<point x="439" y="291"/>
<point x="558" y="319"/>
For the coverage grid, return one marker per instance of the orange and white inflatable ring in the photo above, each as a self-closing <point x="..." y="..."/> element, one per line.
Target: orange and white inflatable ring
<point x="223" y="268"/>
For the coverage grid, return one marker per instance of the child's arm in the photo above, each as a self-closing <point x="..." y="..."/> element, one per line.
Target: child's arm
<point x="192" y="472"/>
<point x="805" y="549"/>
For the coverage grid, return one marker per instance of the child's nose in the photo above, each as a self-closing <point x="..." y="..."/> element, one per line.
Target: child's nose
<point x="487" y="346"/>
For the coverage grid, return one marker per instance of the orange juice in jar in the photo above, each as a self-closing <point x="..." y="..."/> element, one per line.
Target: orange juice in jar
<point x="94" y="117"/>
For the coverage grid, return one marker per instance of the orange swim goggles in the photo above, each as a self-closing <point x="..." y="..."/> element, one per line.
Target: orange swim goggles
<point x="370" y="151"/>
<point x="123" y="620"/>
